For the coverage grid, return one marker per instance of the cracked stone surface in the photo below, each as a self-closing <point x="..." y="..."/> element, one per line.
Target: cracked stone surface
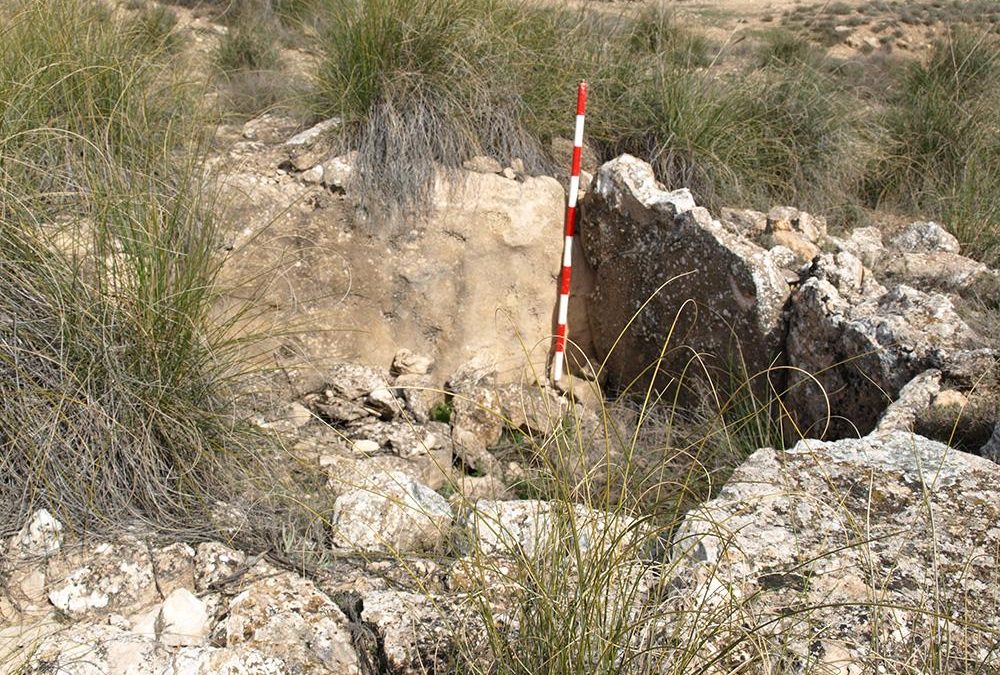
<point x="881" y="541"/>
<point x="645" y="243"/>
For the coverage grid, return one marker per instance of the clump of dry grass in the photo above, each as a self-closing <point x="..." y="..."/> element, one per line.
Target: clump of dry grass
<point x="112" y="378"/>
<point x="942" y="154"/>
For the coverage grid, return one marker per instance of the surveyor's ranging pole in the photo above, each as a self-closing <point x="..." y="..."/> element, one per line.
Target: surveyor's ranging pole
<point x="567" y="263"/>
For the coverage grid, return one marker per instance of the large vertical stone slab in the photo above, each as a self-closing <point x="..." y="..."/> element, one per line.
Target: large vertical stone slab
<point x="717" y="297"/>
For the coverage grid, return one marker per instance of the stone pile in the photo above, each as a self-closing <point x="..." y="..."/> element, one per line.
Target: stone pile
<point x="832" y="555"/>
<point x="836" y="325"/>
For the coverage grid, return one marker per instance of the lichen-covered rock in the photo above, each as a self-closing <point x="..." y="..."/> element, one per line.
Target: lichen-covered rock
<point x="854" y="346"/>
<point x="391" y="512"/>
<point x="306" y="148"/>
<point x="104" y="649"/>
<point x="215" y="563"/>
<point x="347" y="474"/>
<point x="282" y="615"/>
<point x="925" y="237"/>
<point x="865" y="243"/>
<point x="420" y="633"/>
<point x="338" y="171"/>
<point x="239" y="660"/>
<point x="173" y="566"/>
<point x="914" y="399"/>
<point x="829" y="548"/>
<point x="724" y="292"/>
<point x="96" y="649"/>
<point x="419" y="395"/>
<point x="103" y="578"/>
<point x="261" y="620"/>
<point x="935" y="269"/>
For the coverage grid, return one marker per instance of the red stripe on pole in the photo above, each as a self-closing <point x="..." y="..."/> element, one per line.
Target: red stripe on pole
<point x="577" y="155"/>
<point x="561" y="338"/>
<point x="567" y="272"/>
<point x="570" y="230"/>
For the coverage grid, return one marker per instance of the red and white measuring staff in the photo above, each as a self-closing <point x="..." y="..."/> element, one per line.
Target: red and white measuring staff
<point x="567" y="262"/>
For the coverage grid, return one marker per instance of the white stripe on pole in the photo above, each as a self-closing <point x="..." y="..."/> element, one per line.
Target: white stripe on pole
<point x="563" y="308"/>
<point x="568" y="252"/>
<point x="578" y="135"/>
<point x="574" y="189"/>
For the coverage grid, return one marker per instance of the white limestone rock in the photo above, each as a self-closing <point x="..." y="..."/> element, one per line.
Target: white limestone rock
<point x="391" y="512"/>
<point x="41" y="536"/>
<point x="830" y="547"/>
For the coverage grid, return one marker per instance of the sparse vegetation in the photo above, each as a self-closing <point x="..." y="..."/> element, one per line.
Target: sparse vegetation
<point x="793" y="129"/>
<point x="462" y="96"/>
<point x="252" y="78"/>
<point x="250" y="44"/>
<point x="114" y="372"/>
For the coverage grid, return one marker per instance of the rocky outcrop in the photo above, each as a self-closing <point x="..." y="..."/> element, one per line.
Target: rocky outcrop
<point x="846" y="555"/>
<point x="841" y="556"/>
<point x="679" y="288"/>
<point x="232" y="618"/>
<point x="681" y="295"/>
<point x="853" y="345"/>
<point x="923" y="255"/>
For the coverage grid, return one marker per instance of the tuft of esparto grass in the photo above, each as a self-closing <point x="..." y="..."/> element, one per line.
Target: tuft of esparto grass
<point x="431" y="83"/>
<point x="942" y="158"/>
<point x="423" y="86"/>
<point x="112" y="378"/>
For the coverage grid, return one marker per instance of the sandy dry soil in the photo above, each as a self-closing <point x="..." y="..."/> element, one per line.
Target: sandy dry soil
<point x="845" y="27"/>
